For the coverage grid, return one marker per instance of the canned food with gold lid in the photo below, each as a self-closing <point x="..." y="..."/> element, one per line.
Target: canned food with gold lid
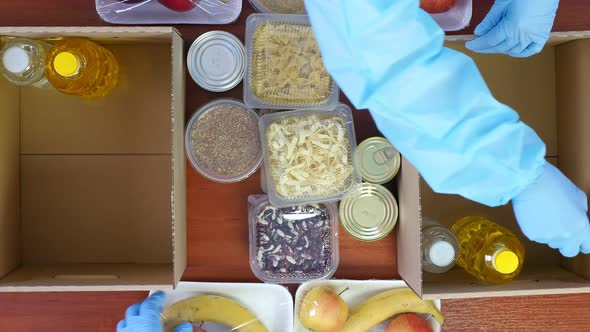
<point x="371" y="214"/>
<point x="377" y="160"/>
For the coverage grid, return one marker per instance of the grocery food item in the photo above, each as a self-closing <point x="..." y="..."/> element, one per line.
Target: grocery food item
<point x="322" y="310"/>
<point x="308" y="155"/>
<point x="216" y="61"/>
<point x="180" y="5"/>
<point x="437" y="6"/>
<point x="488" y="251"/>
<point x="377" y="160"/>
<point x="440" y="248"/>
<point x="386" y="305"/>
<point x="78" y="66"/>
<point x="223" y="141"/>
<point x="285" y="68"/>
<point x="369" y="214"/>
<point x="292" y="244"/>
<point x="22" y="62"/>
<point x="408" y="323"/>
<point x="212" y="308"/>
<point x="279" y="6"/>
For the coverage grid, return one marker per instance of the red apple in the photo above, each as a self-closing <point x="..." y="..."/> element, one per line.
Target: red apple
<point x="437" y="6"/>
<point x="408" y="323"/>
<point x="180" y="5"/>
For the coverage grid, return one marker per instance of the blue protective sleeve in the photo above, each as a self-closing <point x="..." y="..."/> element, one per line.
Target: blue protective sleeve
<point x="429" y="101"/>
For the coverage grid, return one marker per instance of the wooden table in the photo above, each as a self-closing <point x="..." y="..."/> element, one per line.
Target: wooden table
<point x="222" y="218"/>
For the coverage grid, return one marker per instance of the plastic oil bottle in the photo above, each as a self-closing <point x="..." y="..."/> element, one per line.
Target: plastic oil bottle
<point x="80" y="67"/>
<point x="22" y="62"/>
<point x="488" y="251"/>
<point x="440" y="248"/>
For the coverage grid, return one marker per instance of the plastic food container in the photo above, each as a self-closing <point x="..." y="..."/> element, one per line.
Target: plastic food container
<point x="293" y="244"/>
<point x="169" y="11"/>
<point x="457" y="17"/>
<point x="308" y="155"/>
<point x="279" y="6"/>
<point x="285" y="69"/>
<point x="222" y="141"/>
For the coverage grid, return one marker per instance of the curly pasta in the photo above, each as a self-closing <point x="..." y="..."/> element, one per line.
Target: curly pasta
<point x="287" y="67"/>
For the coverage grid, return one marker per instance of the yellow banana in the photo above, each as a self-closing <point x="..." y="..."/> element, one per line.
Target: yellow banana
<point x="212" y="308"/>
<point x="386" y="305"/>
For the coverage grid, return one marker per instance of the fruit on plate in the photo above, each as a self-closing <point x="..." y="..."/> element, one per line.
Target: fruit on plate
<point x="180" y="5"/>
<point x="322" y="310"/>
<point x="437" y="6"/>
<point x="212" y="308"/>
<point x="386" y="305"/>
<point x="408" y="323"/>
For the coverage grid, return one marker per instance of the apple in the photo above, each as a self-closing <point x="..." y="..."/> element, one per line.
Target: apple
<point x="437" y="6"/>
<point x="180" y="5"/>
<point x="322" y="310"/>
<point x="408" y="323"/>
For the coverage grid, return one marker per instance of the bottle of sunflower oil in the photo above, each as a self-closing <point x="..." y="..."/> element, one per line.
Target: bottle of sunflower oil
<point x="22" y="62"/>
<point x="488" y="251"/>
<point x="78" y="66"/>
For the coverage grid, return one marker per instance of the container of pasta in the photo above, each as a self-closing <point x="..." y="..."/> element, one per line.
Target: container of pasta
<point x="308" y="155"/>
<point x="285" y="68"/>
<point x="279" y="6"/>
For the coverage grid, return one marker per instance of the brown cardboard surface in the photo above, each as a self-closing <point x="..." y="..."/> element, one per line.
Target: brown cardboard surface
<point x="9" y="178"/>
<point x="179" y="160"/>
<point x="573" y="102"/>
<point x="96" y="209"/>
<point x="409" y="229"/>
<point x="84" y="277"/>
<point x="129" y="121"/>
<point x="526" y="85"/>
<point x="101" y="181"/>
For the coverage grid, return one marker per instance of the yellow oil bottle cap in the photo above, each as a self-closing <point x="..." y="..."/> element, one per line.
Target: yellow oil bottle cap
<point x="66" y="64"/>
<point x="506" y="262"/>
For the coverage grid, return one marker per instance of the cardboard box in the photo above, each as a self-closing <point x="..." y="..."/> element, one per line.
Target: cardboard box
<point x="550" y="92"/>
<point x="93" y="191"/>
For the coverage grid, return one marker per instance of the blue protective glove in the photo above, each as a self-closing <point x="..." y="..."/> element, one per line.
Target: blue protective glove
<point x="433" y="105"/>
<point x="553" y="211"/>
<point x="519" y="28"/>
<point x="145" y="317"/>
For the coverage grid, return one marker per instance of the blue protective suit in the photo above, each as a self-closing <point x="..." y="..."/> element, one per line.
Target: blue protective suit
<point x="432" y="103"/>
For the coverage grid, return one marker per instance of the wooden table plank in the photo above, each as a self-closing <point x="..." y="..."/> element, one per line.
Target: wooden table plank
<point x="217" y="214"/>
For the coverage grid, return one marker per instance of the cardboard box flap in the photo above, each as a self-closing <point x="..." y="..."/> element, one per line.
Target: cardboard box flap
<point x="9" y="178"/>
<point x="409" y="230"/>
<point x="573" y="103"/>
<point x="179" y="161"/>
<point x="104" y="34"/>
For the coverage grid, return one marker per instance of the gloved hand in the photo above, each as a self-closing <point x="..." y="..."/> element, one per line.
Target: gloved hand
<point x="145" y="317"/>
<point x="519" y="28"/>
<point x="553" y="211"/>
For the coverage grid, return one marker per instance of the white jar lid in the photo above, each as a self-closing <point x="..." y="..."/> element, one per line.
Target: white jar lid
<point x="16" y="60"/>
<point x="441" y="253"/>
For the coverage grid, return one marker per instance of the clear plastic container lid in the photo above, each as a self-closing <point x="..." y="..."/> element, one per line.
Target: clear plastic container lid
<point x="308" y="155"/>
<point x="285" y="68"/>
<point x="457" y="18"/>
<point x="222" y="141"/>
<point x="169" y="11"/>
<point x="279" y="6"/>
<point x="293" y="244"/>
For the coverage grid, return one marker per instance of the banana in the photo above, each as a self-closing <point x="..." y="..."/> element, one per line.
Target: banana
<point x="386" y="305"/>
<point x="212" y="308"/>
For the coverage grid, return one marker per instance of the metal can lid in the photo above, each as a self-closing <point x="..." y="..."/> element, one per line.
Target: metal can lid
<point x="217" y="61"/>
<point x="377" y="160"/>
<point x="369" y="215"/>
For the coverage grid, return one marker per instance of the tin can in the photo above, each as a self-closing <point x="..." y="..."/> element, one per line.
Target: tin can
<point x="377" y="160"/>
<point x="217" y="61"/>
<point x="371" y="214"/>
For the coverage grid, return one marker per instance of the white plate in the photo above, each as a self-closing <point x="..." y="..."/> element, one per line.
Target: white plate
<point x="358" y="291"/>
<point x="272" y="304"/>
